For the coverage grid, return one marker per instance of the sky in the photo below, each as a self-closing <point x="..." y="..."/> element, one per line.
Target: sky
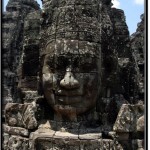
<point x="132" y="9"/>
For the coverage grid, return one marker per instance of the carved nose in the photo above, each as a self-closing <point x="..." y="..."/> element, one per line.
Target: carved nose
<point x="69" y="82"/>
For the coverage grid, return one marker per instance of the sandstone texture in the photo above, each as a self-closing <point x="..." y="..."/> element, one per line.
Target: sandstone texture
<point x="73" y="77"/>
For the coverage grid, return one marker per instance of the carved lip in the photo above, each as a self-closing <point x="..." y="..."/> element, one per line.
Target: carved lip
<point x="68" y="97"/>
<point x="68" y="100"/>
<point x="69" y="93"/>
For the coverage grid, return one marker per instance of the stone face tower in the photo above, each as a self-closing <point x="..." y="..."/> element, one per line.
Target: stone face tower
<point x="137" y="44"/>
<point x="13" y="32"/>
<point x="73" y="80"/>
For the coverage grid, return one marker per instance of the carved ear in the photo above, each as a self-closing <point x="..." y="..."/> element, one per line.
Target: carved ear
<point x="47" y="77"/>
<point x="46" y="69"/>
<point x="49" y="81"/>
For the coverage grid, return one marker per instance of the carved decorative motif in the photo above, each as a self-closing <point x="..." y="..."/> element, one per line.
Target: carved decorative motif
<point x="21" y="115"/>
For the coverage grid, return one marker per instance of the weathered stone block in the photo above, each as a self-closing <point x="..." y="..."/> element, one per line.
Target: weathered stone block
<point x="28" y="83"/>
<point x="18" y="143"/>
<point x="140" y="124"/>
<point x="138" y="144"/>
<point x="128" y="117"/>
<point x="39" y="139"/>
<point x="5" y="141"/>
<point x="21" y="115"/>
<point x="15" y="130"/>
<point x="123" y="136"/>
<point x="29" y="96"/>
<point x="90" y="136"/>
<point x="67" y="141"/>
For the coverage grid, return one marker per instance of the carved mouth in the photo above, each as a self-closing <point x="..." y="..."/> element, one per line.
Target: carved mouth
<point x="69" y="93"/>
<point x="68" y="100"/>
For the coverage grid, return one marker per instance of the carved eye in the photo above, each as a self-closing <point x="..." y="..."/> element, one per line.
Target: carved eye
<point x="76" y="63"/>
<point x="88" y="64"/>
<point x="61" y="63"/>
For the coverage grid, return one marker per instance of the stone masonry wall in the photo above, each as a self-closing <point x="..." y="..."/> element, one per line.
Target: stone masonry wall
<point x="12" y="46"/>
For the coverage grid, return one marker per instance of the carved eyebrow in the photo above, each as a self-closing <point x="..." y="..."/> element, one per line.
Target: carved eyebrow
<point x="71" y="59"/>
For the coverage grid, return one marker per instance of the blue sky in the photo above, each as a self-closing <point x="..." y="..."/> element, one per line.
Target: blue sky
<point x="132" y="8"/>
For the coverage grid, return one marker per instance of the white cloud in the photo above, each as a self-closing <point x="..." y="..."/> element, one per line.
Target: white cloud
<point x="139" y="2"/>
<point x="116" y="3"/>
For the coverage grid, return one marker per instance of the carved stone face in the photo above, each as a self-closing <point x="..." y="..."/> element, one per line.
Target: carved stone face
<point x="71" y="77"/>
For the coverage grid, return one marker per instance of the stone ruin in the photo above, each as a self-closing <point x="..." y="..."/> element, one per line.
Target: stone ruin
<point x="73" y="78"/>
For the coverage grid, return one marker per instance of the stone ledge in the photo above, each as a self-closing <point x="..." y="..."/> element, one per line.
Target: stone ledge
<point x="68" y="141"/>
<point x="15" y="130"/>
